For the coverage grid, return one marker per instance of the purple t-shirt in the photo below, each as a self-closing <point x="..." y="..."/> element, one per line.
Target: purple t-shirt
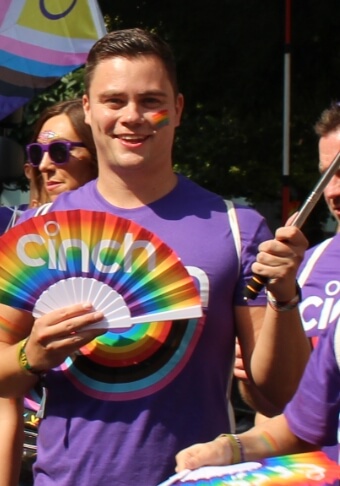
<point x="119" y="415"/>
<point x="313" y="413"/>
<point x="319" y="279"/>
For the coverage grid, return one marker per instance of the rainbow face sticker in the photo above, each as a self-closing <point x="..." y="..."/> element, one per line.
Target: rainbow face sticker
<point x="160" y="119"/>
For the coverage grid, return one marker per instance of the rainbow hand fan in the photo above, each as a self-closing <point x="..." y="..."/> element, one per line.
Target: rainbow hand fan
<point x="124" y="270"/>
<point x="309" y="469"/>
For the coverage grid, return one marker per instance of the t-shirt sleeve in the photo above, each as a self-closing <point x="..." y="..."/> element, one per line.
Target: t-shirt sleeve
<point x="313" y="413"/>
<point x="253" y="230"/>
<point x="29" y="213"/>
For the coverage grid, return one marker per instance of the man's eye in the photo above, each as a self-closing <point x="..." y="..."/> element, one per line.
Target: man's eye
<point x="152" y="101"/>
<point x="114" y="101"/>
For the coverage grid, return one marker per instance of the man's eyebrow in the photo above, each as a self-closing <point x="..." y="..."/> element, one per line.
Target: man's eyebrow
<point x="109" y="93"/>
<point x="153" y="92"/>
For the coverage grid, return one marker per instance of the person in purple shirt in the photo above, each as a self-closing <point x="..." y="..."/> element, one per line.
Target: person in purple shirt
<point x="309" y="421"/>
<point x="319" y="274"/>
<point x="118" y="413"/>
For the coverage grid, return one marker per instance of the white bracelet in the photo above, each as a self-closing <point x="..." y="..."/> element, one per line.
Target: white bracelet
<point x="284" y="306"/>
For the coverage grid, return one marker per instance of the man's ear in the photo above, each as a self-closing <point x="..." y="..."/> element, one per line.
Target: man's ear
<point x="179" y="105"/>
<point x="86" y="107"/>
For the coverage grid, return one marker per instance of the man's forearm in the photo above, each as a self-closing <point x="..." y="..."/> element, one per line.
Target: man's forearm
<point x="272" y="438"/>
<point x="280" y="356"/>
<point x="14" y="381"/>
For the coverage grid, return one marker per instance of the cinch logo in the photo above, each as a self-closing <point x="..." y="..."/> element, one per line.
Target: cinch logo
<point x="325" y="309"/>
<point x="54" y="254"/>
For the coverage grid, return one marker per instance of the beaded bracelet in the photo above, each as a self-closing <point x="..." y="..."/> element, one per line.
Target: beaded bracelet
<point x="236" y="448"/>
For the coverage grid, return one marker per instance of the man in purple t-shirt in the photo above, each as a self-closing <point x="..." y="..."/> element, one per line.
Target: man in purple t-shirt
<point x="320" y="282"/>
<point x="120" y="404"/>
<point x="319" y="275"/>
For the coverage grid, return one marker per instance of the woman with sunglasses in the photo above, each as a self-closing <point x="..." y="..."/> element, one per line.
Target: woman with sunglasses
<point x="62" y="152"/>
<point x="62" y="157"/>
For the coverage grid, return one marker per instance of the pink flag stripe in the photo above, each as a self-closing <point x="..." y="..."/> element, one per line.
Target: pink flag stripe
<point x="43" y="54"/>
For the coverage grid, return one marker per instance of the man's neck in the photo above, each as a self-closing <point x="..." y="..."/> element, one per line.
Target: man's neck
<point x="135" y="191"/>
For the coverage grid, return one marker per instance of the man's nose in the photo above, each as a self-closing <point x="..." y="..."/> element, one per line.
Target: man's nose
<point x="132" y="114"/>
